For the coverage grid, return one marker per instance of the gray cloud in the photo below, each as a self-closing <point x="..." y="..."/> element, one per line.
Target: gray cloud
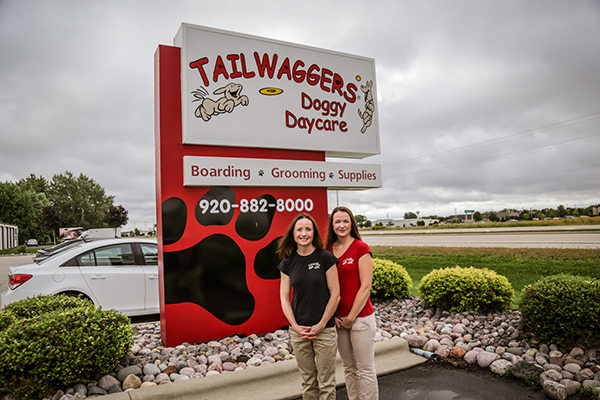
<point x="76" y="93"/>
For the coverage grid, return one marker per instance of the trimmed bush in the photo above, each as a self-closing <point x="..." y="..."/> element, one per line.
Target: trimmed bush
<point x="52" y="342"/>
<point x="466" y="289"/>
<point x="390" y="280"/>
<point x="562" y="309"/>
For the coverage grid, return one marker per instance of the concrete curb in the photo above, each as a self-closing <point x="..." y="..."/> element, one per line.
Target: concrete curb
<point x="277" y="381"/>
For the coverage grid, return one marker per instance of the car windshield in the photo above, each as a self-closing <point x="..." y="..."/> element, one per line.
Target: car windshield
<point x="60" y="251"/>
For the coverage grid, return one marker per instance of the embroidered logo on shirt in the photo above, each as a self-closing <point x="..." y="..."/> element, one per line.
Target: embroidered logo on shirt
<point x="348" y="261"/>
<point x="314" y="265"/>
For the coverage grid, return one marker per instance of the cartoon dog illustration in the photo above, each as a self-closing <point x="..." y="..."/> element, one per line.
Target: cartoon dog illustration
<point x="231" y="98"/>
<point x="367" y="115"/>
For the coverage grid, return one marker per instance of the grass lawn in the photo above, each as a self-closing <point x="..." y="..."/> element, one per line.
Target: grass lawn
<point x="28" y="250"/>
<point x="520" y="266"/>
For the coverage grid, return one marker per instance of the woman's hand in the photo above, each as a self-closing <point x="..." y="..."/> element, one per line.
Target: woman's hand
<point x="343" y="322"/>
<point x="311" y="332"/>
<point x="305" y="332"/>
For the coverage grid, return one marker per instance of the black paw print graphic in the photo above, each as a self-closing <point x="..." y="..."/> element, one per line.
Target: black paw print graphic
<point x="212" y="272"/>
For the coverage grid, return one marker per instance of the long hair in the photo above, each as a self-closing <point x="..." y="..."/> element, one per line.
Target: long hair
<point x="331" y="236"/>
<point x="287" y="245"/>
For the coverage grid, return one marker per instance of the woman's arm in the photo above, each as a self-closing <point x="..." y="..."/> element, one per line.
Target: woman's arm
<point x="334" y="298"/>
<point x="284" y="295"/>
<point x="365" y="274"/>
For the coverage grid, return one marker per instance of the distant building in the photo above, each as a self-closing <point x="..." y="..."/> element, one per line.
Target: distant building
<point x="9" y="236"/>
<point x="463" y="217"/>
<point x="404" y="223"/>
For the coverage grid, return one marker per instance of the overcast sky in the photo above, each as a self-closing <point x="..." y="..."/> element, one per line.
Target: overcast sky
<point x="482" y="104"/>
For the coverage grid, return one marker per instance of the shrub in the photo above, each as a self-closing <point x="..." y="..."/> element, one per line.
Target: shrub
<point x="390" y="280"/>
<point x="562" y="309"/>
<point x="53" y="342"/>
<point x="466" y="289"/>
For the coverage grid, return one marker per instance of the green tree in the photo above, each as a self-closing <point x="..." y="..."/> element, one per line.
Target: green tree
<point x="35" y="184"/>
<point x="80" y="200"/>
<point x="35" y="187"/>
<point x="477" y="216"/>
<point x="360" y="220"/>
<point x="586" y="211"/>
<point x="18" y="206"/>
<point x="493" y="217"/>
<point x="561" y="211"/>
<point x="547" y="211"/>
<point x="410" y="215"/>
<point x="51" y="220"/>
<point x="116" y="216"/>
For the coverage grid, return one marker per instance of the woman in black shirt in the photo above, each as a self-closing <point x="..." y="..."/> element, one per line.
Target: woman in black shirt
<point x="311" y="272"/>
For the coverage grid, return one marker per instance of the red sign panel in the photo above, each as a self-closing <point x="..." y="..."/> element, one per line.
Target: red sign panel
<point x="218" y="265"/>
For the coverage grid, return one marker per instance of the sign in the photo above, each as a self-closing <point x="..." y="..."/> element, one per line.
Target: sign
<point x="469" y="211"/>
<point x="243" y="128"/>
<point x="212" y="171"/>
<point x="70" y="233"/>
<point x="242" y="90"/>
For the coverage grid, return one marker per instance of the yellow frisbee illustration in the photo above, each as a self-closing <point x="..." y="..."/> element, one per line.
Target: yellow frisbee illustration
<point x="269" y="91"/>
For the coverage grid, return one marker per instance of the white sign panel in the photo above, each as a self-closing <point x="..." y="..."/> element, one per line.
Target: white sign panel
<point x="221" y="171"/>
<point x="240" y="90"/>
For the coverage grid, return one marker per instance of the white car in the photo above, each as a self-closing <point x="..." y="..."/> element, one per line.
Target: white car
<point x="119" y="274"/>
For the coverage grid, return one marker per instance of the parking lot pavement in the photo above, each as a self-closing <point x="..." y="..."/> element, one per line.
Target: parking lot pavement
<point x="6" y="261"/>
<point x="436" y="380"/>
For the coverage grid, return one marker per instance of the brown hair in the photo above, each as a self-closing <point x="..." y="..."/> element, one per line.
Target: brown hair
<point x="331" y="236"/>
<point x="287" y="244"/>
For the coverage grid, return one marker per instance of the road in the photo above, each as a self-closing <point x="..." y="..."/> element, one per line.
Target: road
<point x="573" y="237"/>
<point x="475" y="229"/>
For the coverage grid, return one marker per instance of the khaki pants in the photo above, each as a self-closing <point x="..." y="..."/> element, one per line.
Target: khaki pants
<point x="357" y="351"/>
<point x="316" y="362"/>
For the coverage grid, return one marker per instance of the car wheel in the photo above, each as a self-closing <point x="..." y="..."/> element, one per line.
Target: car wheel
<point x="77" y="294"/>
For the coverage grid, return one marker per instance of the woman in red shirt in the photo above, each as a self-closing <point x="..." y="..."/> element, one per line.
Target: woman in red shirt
<point x="354" y="317"/>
